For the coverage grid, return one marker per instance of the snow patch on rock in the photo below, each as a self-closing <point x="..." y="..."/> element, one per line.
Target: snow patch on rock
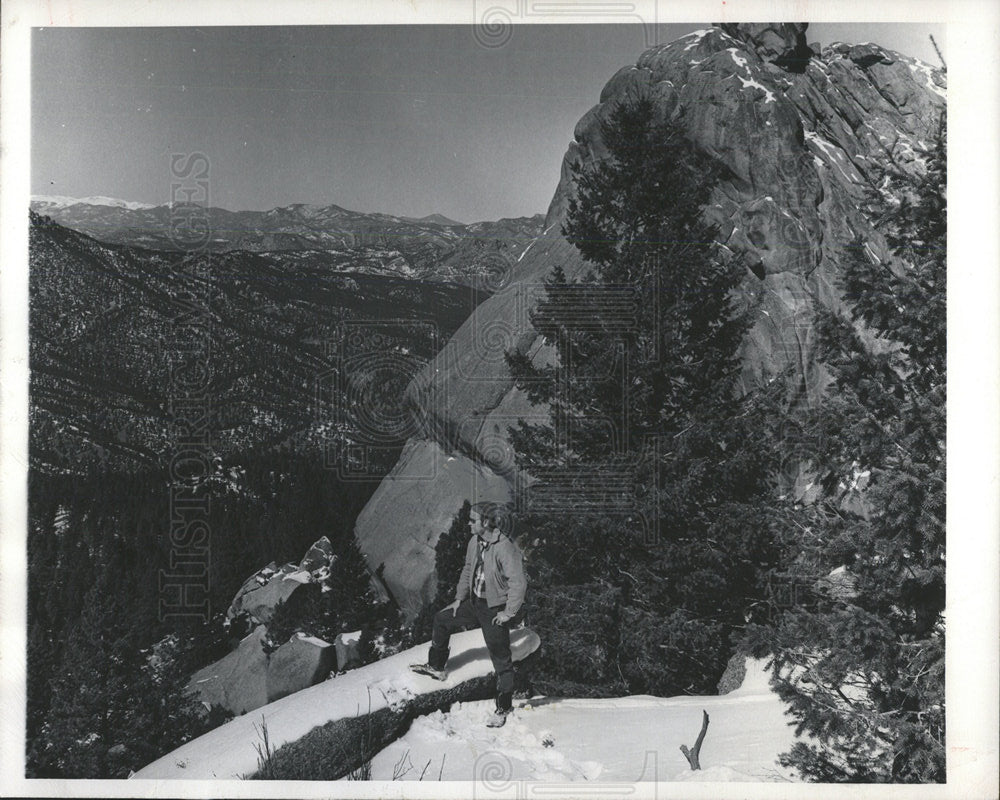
<point x="927" y="73"/>
<point x="696" y="37"/>
<point x="834" y="155"/>
<point x="748" y="83"/>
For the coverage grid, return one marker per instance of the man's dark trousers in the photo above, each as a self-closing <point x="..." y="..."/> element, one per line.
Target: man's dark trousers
<point x="472" y="612"/>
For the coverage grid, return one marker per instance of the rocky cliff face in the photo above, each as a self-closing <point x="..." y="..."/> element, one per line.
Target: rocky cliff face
<point x="800" y="130"/>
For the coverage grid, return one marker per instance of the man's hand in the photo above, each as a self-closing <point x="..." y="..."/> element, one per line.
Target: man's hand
<point x="501" y="618"/>
<point x="454" y="607"/>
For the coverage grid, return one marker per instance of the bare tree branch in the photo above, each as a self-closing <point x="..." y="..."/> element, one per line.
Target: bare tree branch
<point x="692" y="755"/>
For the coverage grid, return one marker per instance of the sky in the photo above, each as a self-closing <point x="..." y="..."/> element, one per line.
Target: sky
<point x="406" y="120"/>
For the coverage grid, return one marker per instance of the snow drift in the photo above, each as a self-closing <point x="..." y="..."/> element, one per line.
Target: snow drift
<point x="545" y="739"/>
<point x="613" y="741"/>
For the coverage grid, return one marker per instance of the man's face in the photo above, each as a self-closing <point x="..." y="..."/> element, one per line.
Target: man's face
<point x="476" y="523"/>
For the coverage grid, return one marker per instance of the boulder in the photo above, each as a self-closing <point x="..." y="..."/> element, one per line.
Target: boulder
<point x="237" y="681"/>
<point x="735" y="672"/>
<point x="865" y="55"/>
<point x="348" y="647"/>
<point x="399" y="527"/>
<point x="798" y="136"/>
<point x="300" y="662"/>
<point x="318" y="559"/>
<point x="249" y="678"/>
<point x="841" y="585"/>
<point x="783" y="43"/>
<point x="261" y="593"/>
<point x="257" y="672"/>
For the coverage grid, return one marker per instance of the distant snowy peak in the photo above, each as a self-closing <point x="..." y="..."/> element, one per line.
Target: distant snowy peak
<point x="60" y="201"/>
<point x="306" y="211"/>
<point x="435" y="219"/>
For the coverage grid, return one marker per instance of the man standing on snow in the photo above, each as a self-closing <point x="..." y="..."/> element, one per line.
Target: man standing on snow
<point x="490" y="593"/>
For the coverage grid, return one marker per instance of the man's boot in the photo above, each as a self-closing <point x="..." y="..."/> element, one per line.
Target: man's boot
<point x="430" y="670"/>
<point x="504" y="707"/>
<point x="427" y="669"/>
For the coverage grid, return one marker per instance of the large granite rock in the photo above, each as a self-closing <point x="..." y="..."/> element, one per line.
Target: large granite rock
<point x="399" y="527"/>
<point x="300" y="662"/>
<point x="348" y="647"/>
<point x="261" y="593"/>
<point x="783" y="44"/>
<point x="257" y="671"/>
<point x="798" y="134"/>
<point x="237" y="681"/>
<point x="249" y="678"/>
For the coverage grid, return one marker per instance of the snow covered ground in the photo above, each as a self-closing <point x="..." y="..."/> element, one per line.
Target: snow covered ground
<point x="229" y="750"/>
<point x="552" y="740"/>
<point x="610" y="740"/>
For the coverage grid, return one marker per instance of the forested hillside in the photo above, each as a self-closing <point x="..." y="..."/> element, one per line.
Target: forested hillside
<point x="193" y="418"/>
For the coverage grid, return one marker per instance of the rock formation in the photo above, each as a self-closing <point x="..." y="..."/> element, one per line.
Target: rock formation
<point x="257" y="672"/>
<point x="348" y="647"/>
<point x="799" y="134"/>
<point x="300" y="662"/>
<point x="260" y="593"/>
<point x="249" y="677"/>
<point x="431" y="485"/>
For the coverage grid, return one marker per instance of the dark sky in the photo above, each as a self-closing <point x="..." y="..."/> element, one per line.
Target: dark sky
<point x="408" y="120"/>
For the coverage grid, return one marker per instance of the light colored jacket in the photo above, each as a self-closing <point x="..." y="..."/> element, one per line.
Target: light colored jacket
<point x="503" y="567"/>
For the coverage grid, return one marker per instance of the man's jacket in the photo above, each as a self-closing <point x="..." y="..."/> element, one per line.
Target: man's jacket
<point x="503" y="568"/>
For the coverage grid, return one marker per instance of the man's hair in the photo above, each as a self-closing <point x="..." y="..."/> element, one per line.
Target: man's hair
<point x="496" y="515"/>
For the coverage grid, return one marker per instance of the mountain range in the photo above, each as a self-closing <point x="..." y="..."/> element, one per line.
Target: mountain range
<point x="431" y="248"/>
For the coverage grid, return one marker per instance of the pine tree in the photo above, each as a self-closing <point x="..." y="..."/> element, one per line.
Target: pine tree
<point x="92" y="693"/>
<point x="168" y="714"/>
<point x="653" y="398"/>
<point x="115" y="704"/>
<point x="449" y="558"/>
<point x="353" y="598"/>
<point x="863" y="667"/>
